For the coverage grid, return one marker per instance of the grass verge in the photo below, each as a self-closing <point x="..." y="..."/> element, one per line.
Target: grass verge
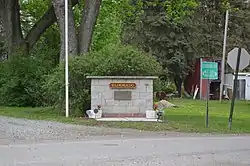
<point x="188" y="117"/>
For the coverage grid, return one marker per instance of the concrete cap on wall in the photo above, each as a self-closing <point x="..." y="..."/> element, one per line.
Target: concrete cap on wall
<point x="122" y="77"/>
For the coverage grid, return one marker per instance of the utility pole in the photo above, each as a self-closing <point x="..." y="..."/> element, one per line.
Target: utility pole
<point x="224" y="56"/>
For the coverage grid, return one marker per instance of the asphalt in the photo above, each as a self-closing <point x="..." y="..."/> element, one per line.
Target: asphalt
<point x="141" y="151"/>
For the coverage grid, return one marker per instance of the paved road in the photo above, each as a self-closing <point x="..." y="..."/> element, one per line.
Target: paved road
<point x="41" y="143"/>
<point x="164" y="151"/>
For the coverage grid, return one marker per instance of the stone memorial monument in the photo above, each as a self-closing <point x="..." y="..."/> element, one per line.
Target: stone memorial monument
<point x="122" y="96"/>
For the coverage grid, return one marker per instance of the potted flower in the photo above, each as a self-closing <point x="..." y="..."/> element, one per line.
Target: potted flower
<point x="155" y="107"/>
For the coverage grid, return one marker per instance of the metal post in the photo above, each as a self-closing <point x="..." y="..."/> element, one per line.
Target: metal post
<point x="200" y="90"/>
<point x="224" y="56"/>
<point x="208" y="89"/>
<point x="66" y="61"/>
<point x="234" y="89"/>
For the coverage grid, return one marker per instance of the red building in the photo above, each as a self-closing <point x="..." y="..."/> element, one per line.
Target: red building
<point x="194" y="81"/>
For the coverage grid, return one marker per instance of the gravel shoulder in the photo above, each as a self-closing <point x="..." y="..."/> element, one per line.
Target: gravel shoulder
<point x="15" y="130"/>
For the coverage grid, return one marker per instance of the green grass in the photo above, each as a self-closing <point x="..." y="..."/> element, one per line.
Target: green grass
<point x="188" y="117"/>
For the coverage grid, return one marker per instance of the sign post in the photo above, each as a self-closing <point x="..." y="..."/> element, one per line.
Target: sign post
<point x="234" y="90"/>
<point x="238" y="59"/>
<point x="209" y="72"/>
<point x="208" y="90"/>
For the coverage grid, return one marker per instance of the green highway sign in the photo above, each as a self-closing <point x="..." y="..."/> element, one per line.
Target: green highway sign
<point x="209" y="70"/>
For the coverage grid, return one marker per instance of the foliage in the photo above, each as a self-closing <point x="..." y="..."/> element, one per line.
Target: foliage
<point x="239" y="18"/>
<point x="31" y="12"/>
<point x="20" y="80"/>
<point x="161" y="85"/>
<point x="198" y="33"/>
<point x="169" y="41"/>
<point x="112" y="60"/>
<point x="174" y="10"/>
<point x="209" y="22"/>
<point x="119" y="60"/>
<point x="177" y="10"/>
<point x="108" y="26"/>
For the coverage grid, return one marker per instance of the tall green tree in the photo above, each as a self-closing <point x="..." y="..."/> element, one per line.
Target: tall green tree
<point x="164" y="29"/>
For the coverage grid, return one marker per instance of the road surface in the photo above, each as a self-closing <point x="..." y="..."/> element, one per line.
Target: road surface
<point x="129" y="150"/>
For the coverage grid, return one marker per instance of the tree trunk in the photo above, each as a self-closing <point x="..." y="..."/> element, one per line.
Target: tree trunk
<point x="178" y="83"/>
<point x="48" y="19"/>
<point x="10" y="26"/>
<point x="40" y="27"/>
<point x="89" y="18"/>
<point x="60" y="14"/>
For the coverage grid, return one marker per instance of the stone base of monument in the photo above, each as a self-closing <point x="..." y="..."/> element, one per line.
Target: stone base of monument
<point x="149" y="116"/>
<point x="123" y="115"/>
<point x="128" y="119"/>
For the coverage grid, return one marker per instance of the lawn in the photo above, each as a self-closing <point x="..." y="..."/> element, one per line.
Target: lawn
<point x="188" y="117"/>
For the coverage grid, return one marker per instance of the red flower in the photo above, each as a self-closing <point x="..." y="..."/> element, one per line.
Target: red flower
<point x="155" y="106"/>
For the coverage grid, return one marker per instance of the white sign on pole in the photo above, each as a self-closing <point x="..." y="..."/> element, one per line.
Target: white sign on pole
<point x="244" y="58"/>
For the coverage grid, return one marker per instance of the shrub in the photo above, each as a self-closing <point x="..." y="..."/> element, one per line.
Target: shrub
<point x="164" y="86"/>
<point x="113" y="60"/>
<point x="20" y="80"/>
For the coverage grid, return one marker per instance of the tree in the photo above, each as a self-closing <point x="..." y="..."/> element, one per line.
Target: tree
<point x="209" y="20"/>
<point x="11" y="25"/>
<point x="60" y="14"/>
<point x="89" y="18"/>
<point x="166" y="35"/>
<point x="238" y="31"/>
<point x="78" y="43"/>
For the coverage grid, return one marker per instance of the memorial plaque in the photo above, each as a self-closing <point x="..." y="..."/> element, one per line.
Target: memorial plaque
<point x="122" y="85"/>
<point x="122" y="95"/>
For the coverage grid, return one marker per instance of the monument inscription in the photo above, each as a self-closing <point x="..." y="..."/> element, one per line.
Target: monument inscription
<point x="122" y="95"/>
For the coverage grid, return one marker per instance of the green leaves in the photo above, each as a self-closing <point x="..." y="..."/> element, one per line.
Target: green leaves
<point x="168" y="41"/>
<point x="120" y="60"/>
<point x="112" y="60"/>
<point x="32" y="11"/>
<point x="108" y="26"/>
<point x="178" y="10"/>
<point x="175" y="10"/>
<point x="20" y="80"/>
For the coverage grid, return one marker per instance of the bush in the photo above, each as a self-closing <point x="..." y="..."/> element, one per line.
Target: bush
<point x="164" y="86"/>
<point x="20" y="80"/>
<point x="113" y="60"/>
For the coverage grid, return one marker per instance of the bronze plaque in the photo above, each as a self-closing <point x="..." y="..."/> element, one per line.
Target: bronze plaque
<point x="122" y="95"/>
